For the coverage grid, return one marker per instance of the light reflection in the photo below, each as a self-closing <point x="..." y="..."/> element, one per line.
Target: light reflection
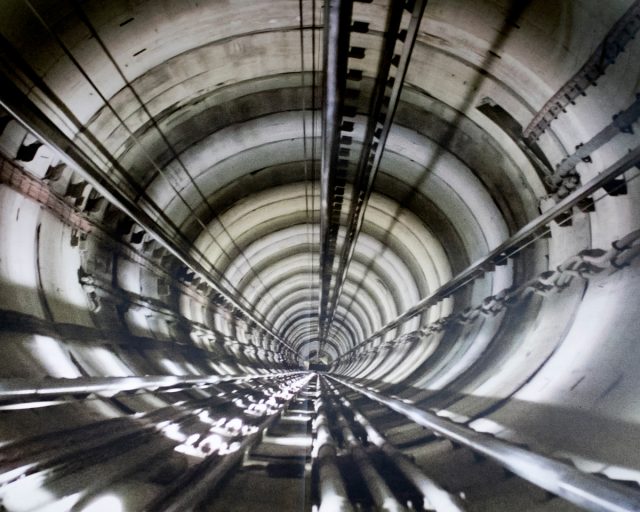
<point x="216" y="441"/>
<point x="172" y="431"/>
<point x="322" y="438"/>
<point x="31" y="405"/>
<point x="62" y="505"/>
<point x="207" y="446"/>
<point x="204" y="417"/>
<point x="30" y="493"/>
<point x="108" y="503"/>
<point x="234" y="426"/>
<point x="233" y="447"/>
<point x="53" y="358"/>
<point x="172" y="367"/>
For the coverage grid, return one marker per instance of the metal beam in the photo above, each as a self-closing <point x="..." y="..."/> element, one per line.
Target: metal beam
<point x="336" y="151"/>
<point x="336" y="47"/>
<point x="31" y="389"/>
<point x="382" y="496"/>
<point x="189" y="491"/>
<point x="435" y="497"/>
<point x="511" y="246"/>
<point x="386" y="97"/>
<point x="622" y="32"/>
<point x="144" y="212"/>
<point x="332" y="492"/>
<point x="621" y="123"/>
<point x="583" y="489"/>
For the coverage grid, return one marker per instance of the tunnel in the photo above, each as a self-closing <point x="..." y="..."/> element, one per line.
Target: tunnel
<point x="351" y="255"/>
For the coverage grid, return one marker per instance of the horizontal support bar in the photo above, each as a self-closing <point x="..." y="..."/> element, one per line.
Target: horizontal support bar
<point x="18" y="388"/>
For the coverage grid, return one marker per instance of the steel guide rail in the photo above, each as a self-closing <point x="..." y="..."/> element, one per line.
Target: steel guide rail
<point x="26" y="112"/>
<point x="332" y="492"/>
<point x="584" y="265"/>
<point x="332" y="168"/>
<point x="46" y="449"/>
<point x="605" y="55"/>
<point x="435" y="497"/>
<point x="32" y="389"/>
<point x="565" y="178"/>
<point x="621" y="123"/>
<point x="388" y="87"/>
<point x="582" y="489"/>
<point x="45" y="452"/>
<point x="338" y="123"/>
<point x="382" y="495"/>
<point x="509" y="247"/>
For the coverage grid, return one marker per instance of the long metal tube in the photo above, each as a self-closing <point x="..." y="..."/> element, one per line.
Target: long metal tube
<point x="103" y="439"/>
<point x="381" y="494"/>
<point x="19" y="388"/>
<point x="43" y="452"/>
<point x="510" y="246"/>
<point x="604" y="55"/>
<point x="123" y="446"/>
<point x="435" y="497"/>
<point x="33" y="119"/>
<point x="197" y="484"/>
<point x="336" y="38"/>
<point x="367" y="169"/>
<point x="332" y="493"/>
<point x="621" y="122"/>
<point x="582" y="489"/>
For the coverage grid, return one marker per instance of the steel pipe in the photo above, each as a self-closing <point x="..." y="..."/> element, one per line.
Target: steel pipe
<point x="435" y="497"/>
<point x="380" y="492"/>
<point x="19" y="388"/>
<point x="510" y="246"/>
<point x="582" y="489"/>
<point x="161" y="228"/>
<point x="332" y="492"/>
<point x="336" y="46"/>
<point x="374" y="144"/>
<point x="190" y="490"/>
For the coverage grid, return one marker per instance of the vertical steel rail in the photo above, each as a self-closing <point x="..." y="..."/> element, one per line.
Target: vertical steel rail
<point x="332" y="493"/>
<point x="336" y="46"/>
<point x="195" y="486"/>
<point x="378" y="488"/>
<point x="435" y="497"/>
<point x="385" y="102"/>
<point x="388" y="83"/>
